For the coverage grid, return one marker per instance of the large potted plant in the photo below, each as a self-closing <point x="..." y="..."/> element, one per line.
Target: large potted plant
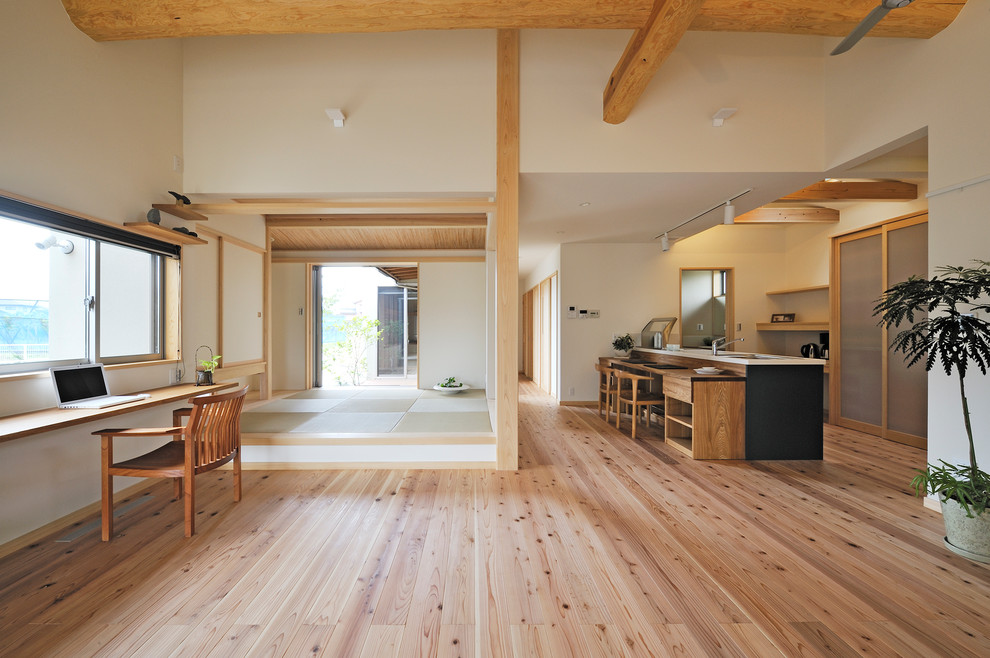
<point x="945" y="324"/>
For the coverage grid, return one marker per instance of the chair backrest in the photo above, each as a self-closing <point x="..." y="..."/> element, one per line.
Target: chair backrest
<point x="213" y="432"/>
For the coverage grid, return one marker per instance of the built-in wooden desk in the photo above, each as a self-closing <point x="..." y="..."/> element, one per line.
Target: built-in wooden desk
<point x="47" y="420"/>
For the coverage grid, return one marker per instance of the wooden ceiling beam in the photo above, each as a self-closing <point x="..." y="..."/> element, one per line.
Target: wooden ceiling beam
<point x="114" y="20"/>
<point x="891" y="190"/>
<point x="771" y="215"/>
<point x="645" y="53"/>
<point x="378" y="221"/>
<point x="445" y="205"/>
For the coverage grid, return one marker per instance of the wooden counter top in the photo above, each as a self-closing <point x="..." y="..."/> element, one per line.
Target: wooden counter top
<point x="47" y="420"/>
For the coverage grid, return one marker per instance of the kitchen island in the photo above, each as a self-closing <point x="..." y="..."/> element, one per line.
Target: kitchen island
<point x="783" y="397"/>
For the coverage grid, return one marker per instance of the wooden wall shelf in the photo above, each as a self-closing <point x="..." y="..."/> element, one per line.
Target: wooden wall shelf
<point x="180" y="211"/>
<point x="789" y="291"/>
<point x="792" y="326"/>
<point x="164" y="234"/>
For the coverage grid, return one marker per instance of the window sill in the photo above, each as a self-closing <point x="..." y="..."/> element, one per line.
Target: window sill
<point x="43" y="374"/>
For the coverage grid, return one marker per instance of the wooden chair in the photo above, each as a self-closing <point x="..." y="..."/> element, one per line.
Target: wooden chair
<point x="637" y="397"/>
<point x="210" y="438"/>
<point x="606" y="386"/>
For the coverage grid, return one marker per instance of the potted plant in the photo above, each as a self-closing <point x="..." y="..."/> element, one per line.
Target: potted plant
<point x="622" y="344"/>
<point x="204" y="373"/>
<point x="945" y="327"/>
<point x="450" y="385"/>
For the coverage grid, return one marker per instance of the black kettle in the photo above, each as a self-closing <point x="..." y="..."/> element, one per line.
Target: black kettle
<point x="811" y="351"/>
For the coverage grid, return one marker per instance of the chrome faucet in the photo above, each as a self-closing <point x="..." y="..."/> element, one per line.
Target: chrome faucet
<point x="715" y="344"/>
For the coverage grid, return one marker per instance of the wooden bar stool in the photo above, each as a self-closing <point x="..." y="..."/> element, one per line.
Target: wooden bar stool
<point x="606" y="377"/>
<point x="637" y="398"/>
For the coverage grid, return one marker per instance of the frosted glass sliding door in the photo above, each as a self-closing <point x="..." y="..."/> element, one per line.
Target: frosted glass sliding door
<point x="873" y="390"/>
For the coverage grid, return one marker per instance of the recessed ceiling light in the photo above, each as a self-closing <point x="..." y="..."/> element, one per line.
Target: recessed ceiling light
<point x="584" y="204"/>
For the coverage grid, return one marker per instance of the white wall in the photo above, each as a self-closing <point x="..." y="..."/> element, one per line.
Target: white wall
<point x="93" y="128"/>
<point x="564" y="73"/>
<point x="420" y="111"/>
<point x="631" y="284"/>
<point x="452" y="323"/>
<point x="289" y="326"/>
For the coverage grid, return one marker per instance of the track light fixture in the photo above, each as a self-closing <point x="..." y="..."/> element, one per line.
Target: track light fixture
<point x="728" y="218"/>
<point x="730" y="213"/>
<point x="664" y="243"/>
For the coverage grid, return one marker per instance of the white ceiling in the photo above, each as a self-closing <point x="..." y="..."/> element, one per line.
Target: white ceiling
<point x="637" y="207"/>
<point x="634" y="207"/>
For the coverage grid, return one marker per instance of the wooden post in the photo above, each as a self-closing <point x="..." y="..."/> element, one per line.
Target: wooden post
<point x="507" y="253"/>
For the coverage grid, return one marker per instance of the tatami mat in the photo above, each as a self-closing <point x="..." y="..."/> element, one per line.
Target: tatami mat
<point x="370" y="410"/>
<point x="452" y="421"/>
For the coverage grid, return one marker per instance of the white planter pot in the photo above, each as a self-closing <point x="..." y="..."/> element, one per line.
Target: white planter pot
<point x="969" y="537"/>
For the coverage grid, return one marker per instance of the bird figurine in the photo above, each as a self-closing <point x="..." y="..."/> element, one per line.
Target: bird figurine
<point x="180" y="199"/>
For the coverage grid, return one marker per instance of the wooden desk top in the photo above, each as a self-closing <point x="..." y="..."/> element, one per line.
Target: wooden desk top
<point x="47" y="420"/>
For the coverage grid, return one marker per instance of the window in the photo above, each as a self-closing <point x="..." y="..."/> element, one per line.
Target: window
<point x="70" y="295"/>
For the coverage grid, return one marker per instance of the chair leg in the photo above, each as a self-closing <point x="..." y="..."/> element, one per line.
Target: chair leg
<point x="190" y="504"/>
<point x="106" y="508"/>
<point x="177" y="488"/>
<point x="237" y="475"/>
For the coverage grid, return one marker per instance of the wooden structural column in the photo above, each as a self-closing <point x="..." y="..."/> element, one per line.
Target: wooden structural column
<point x="507" y="253"/>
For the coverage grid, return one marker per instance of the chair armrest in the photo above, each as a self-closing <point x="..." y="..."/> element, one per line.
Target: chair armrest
<point x="177" y="415"/>
<point x="140" y="431"/>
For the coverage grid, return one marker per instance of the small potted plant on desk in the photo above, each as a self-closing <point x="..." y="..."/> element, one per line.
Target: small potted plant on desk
<point x="204" y="374"/>
<point x="948" y="331"/>
<point x="623" y="344"/>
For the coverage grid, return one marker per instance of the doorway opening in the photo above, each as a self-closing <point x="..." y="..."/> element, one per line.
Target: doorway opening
<point x="366" y="328"/>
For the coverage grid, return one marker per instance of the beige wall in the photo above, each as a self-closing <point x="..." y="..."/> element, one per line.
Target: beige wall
<point x="564" y="73"/>
<point x="452" y="323"/>
<point x="289" y="326"/>
<point x="420" y="111"/>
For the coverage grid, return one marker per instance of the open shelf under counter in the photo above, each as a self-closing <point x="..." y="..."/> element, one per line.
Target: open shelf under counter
<point x="792" y="326"/>
<point x="164" y="234"/>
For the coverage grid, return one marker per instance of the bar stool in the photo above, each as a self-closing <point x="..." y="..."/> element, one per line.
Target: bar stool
<point x="636" y="398"/>
<point x="606" y="376"/>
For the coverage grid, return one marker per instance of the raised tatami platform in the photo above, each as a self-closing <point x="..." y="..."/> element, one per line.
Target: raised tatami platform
<point x="368" y="426"/>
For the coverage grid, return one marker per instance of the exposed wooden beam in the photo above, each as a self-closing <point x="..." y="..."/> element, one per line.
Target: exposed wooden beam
<point x="377" y="221"/>
<point x="836" y="18"/>
<point x="113" y="20"/>
<point x="771" y="215"/>
<point x="646" y="51"/>
<point x="507" y="251"/>
<point x="452" y="205"/>
<point x="856" y="191"/>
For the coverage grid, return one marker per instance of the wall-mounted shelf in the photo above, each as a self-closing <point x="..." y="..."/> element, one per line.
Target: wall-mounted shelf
<point x="792" y="326"/>
<point x="164" y="234"/>
<point x="180" y="211"/>
<point x="793" y="290"/>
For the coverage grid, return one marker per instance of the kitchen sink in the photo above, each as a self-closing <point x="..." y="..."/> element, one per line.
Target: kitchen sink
<point x="737" y="355"/>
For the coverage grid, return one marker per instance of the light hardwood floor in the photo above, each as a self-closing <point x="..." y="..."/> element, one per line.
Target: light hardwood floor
<point x="597" y="546"/>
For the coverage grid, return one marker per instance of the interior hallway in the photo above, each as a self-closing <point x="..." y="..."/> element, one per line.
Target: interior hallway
<point x="597" y="546"/>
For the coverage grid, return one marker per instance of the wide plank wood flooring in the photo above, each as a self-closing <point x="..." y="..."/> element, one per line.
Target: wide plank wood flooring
<point x="597" y="546"/>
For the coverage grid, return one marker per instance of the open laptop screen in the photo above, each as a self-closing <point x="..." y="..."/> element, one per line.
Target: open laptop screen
<point x="75" y="383"/>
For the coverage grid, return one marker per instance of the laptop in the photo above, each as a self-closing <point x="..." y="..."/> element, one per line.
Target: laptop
<point x="85" y="387"/>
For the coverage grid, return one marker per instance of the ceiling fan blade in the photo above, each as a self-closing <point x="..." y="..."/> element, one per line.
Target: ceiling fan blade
<point x="860" y="30"/>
